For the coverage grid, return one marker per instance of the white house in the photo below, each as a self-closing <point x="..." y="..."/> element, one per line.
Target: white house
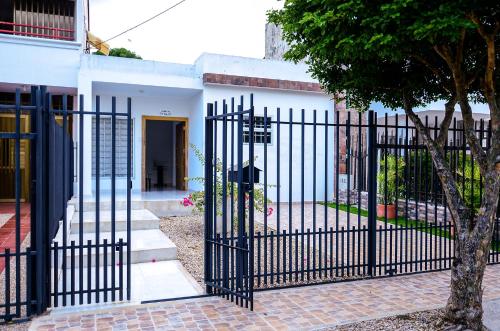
<point x="43" y="46"/>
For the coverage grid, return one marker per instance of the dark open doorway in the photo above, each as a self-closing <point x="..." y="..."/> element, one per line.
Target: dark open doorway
<point x="164" y="153"/>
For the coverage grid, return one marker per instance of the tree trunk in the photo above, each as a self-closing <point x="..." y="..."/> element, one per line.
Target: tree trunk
<point x="464" y="308"/>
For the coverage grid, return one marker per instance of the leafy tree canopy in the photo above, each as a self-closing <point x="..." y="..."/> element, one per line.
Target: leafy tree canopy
<point x="121" y="52"/>
<point x="378" y="50"/>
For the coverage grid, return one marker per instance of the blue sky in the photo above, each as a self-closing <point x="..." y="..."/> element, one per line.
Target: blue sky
<point x="232" y="27"/>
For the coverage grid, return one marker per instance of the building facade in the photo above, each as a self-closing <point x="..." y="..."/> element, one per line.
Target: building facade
<point x="45" y="44"/>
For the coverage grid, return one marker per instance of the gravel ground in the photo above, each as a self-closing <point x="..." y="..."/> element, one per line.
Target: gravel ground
<point x="421" y="321"/>
<point x="187" y="233"/>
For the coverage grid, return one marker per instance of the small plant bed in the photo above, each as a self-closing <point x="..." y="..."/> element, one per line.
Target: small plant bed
<point x="400" y="221"/>
<point x="403" y="222"/>
<point x="431" y="320"/>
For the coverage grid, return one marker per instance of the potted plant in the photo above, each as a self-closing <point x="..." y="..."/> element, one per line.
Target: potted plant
<point x="390" y="189"/>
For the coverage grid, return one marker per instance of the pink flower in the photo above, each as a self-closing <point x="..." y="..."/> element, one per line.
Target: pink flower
<point x="186" y="202"/>
<point x="270" y="211"/>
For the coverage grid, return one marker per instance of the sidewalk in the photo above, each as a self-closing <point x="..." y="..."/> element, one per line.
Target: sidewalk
<point x="308" y="307"/>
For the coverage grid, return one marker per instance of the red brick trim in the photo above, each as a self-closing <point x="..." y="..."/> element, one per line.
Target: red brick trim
<point x="222" y="79"/>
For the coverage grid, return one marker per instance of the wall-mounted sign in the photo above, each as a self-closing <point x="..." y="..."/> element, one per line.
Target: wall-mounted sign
<point x="165" y="112"/>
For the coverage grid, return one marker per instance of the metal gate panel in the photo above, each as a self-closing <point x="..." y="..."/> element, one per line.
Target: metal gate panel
<point x="229" y="203"/>
<point x="90" y="266"/>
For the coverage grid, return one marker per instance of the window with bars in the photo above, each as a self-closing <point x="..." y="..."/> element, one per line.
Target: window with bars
<point x="261" y="135"/>
<point x="105" y="137"/>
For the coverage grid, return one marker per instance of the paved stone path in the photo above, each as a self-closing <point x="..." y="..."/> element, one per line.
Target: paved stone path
<point x="309" y="307"/>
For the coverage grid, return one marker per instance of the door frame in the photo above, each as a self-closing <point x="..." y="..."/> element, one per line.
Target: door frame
<point x="146" y="118"/>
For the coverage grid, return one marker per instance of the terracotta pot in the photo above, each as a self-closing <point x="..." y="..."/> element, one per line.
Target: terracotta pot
<point x="391" y="211"/>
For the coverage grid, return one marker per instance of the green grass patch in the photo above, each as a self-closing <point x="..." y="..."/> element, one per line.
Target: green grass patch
<point x="400" y="221"/>
<point x="406" y="223"/>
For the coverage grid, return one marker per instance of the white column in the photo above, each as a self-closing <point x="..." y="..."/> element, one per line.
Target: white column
<point x="85" y="89"/>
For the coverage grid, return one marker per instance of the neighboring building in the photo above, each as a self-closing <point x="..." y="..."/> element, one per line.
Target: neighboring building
<point x="45" y="45"/>
<point x="431" y="118"/>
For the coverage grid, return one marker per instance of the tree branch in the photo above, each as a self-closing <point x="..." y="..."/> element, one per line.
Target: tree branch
<point x="459" y="212"/>
<point x="438" y="73"/>
<point x="449" y="110"/>
<point x="455" y="65"/>
<point x="489" y="80"/>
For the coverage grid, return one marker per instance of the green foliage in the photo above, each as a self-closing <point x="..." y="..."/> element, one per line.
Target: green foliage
<point x="469" y="181"/>
<point x="121" y="52"/>
<point x="390" y="189"/>
<point x="373" y="49"/>
<point x="198" y="198"/>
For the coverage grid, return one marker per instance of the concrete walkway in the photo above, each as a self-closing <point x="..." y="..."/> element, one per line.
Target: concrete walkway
<point x="306" y="308"/>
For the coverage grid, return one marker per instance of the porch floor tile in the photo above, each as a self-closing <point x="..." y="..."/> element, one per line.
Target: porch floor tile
<point x="8" y="228"/>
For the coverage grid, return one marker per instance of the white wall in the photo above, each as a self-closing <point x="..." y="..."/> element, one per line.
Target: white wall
<point x="35" y="61"/>
<point x="244" y="66"/>
<point x="286" y="100"/>
<point x="141" y="106"/>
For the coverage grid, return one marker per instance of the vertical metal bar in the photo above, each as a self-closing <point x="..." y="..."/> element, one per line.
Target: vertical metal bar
<point x="7" y="285"/>
<point x="348" y="171"/>
<point x="325" y="226"/>
<point x="225" y="249"/>
<point x="80" y="200"/>
<point x="251" y="228"/>
<point x="302" y="189"/>
<point x="55" y="279"/>
<point x="232" y="198"/>
<point x="278" y="190"/>
<point x="97" y="190"/>
<point x="129" y="196"/>
<point x="372" y="193"/>
<point x="397" y="179"/>
<point x="208" y="197"/>
<point x="215" y="202"/>
<point x="290" y="190"/>
<point x="337" y="190"/>
<point x="18" y="201"/>
<point x="105" y="269"/>
<point x="359" y="176"/>
<point x="120" y="270"/>
<point x="64" y="197"/>
<point x="241" y="208"/>
<point x="72" y="275"/>
<point x="265" y="199"/>
<point x="314" y="194"/>
<point x="89" y="271"/>
<point x="113" y="198"/>
<point x="40" y="243"/>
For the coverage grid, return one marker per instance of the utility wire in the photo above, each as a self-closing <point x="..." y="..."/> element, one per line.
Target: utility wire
<point x="142" y="23"/>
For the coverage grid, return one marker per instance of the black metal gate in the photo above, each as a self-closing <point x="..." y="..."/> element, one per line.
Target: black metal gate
<point x="229" y="202"/>
<point x="339" y="196"/>
<point x="56" y="259"/>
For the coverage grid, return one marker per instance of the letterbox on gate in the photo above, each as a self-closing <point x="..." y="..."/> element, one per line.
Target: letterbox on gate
<point x="232" y="174"/>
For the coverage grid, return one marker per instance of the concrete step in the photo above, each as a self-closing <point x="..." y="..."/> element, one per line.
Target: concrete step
<point x="147" y="246"/>
<point x="168" y="207"/>
<point x="149" y="281"/>
<point x="141" y="219"/>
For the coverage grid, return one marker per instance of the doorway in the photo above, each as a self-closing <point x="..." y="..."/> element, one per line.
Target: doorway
<point x="164" y="153"/>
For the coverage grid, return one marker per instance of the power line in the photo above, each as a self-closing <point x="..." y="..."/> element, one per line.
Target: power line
<point x="144" y="22"/>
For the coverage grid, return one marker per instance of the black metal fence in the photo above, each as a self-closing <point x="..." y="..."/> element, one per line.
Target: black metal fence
<point x="319" y="216"/>
<point x="58" y="265"/>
